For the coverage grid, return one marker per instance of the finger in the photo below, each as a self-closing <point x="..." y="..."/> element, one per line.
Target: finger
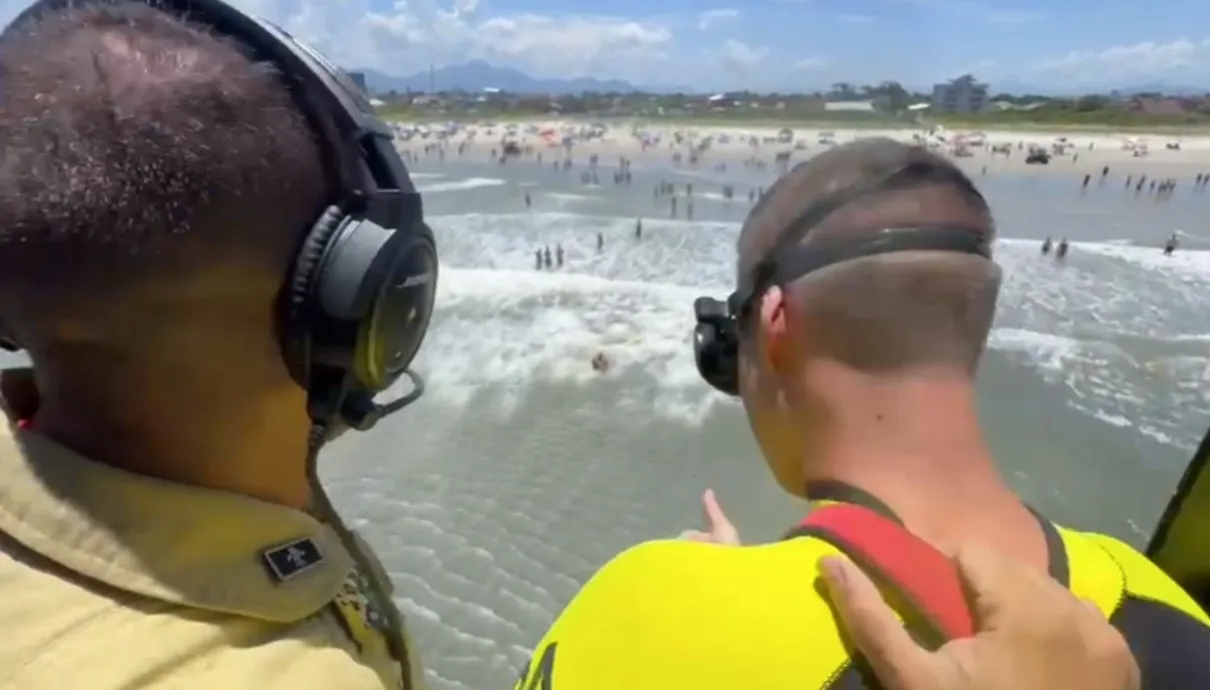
<point x="1094" y="609"/>
<point x="886" y="645"/>
<point x="997" y="585"/>
<point x="715" y="517"/>
<point x="1008" y="593"/>
<point x="724" y="531"/>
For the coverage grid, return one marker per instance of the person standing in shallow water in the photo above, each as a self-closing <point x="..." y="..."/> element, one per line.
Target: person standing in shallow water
<point x="1170" y="244"/>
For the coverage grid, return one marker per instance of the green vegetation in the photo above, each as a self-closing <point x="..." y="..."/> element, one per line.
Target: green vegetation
<point x="889" y="102"/>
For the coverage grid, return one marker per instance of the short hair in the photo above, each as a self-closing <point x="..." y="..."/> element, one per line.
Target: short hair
<point x="141" y="150"/>
<point x="890" y="313"/>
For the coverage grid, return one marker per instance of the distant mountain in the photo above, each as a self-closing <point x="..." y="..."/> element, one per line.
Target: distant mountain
<point x="1166" y="89"/>
<point x="478" y="75"/>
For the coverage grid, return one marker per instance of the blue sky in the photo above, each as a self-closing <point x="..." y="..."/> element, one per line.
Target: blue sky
<point x="769" y="44"/>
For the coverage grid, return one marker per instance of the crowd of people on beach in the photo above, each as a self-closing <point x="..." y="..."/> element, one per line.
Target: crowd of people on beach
<point x="677" y="199"/>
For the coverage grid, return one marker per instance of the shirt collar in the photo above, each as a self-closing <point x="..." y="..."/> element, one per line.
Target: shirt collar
<point x="172" y="542"/>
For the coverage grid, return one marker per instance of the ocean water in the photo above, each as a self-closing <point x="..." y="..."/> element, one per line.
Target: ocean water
<point x="521" y="471"/>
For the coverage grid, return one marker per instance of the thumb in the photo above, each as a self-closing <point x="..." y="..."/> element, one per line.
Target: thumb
<point x="876" y="632"/>
<point x="716" y="519"/>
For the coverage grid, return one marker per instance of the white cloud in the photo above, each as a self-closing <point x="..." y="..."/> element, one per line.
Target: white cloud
<point x="711" y="18"/>
<point x="414" y="34"/>
<point x="847" y="18"/>
<point x="410" y="34"/>
<point x="741" y="57"/>
<point x="1149" y="59"/>
<point x="811" y="64"/>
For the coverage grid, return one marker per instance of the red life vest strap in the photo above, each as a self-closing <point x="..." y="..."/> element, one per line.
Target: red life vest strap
<point x="926" y="579"/>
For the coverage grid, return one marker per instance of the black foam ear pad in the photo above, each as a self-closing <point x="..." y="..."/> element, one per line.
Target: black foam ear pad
<point x="299" y="304"/>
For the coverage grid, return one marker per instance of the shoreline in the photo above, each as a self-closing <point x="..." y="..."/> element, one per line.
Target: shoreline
<point x="699" y="122"/>
<point x="1118" y="155"/>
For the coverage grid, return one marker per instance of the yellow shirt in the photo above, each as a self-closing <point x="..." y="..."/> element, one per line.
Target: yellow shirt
<point x="672" y="615"/>
<point x="112" y="580"/>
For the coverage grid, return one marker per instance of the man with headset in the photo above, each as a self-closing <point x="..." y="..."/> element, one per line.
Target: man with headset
<point x="865" y="296"/>
<point x="214" y="258"/>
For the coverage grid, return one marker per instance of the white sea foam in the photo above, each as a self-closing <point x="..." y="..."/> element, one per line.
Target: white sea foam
<point x="566" y="196"/>
<point x="460" y="185"/>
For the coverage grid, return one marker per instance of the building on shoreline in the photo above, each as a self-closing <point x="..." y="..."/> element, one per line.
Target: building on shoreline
<point x="963" y="96"/>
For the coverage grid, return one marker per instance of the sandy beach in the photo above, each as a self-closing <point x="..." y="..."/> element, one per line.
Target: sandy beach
<point x="982" y="152"/>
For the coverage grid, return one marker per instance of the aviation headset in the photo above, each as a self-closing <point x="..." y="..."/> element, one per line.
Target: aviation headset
<point x="720" y="324"/>
<point x="359" y="297"/>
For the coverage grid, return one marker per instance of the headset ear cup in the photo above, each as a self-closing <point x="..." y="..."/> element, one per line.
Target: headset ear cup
<point x="300" y="302"/>
<point x="400" y="317"/>
<point x="426" y="242"/>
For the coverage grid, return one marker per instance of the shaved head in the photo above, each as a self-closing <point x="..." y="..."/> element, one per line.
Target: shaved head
<point x="145" y="161"/>
<point x="893" y="312"/>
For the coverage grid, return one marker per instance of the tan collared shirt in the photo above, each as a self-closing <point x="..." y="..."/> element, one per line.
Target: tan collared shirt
<point x="111" y="580"/>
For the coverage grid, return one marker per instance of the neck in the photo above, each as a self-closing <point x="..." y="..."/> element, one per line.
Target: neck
<point x="208" y="429"/>
<point x="918" y="449"/>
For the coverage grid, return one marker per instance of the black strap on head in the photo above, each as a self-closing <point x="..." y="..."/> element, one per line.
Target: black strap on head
<point x="910" y="176"/>
<point x="789" y="260"/>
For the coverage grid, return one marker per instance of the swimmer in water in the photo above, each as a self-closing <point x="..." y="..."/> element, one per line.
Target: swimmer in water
<point x="1061" y="252"/>
<point x="1046" y="246"/>
<point x="600" y="363"/>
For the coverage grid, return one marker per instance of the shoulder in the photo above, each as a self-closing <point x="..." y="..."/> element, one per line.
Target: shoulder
<point x="1166" y="629"/>
<point x="1143" y="579"/>
<point x="186" y="651"/>
<point x="682" y="614"/>
<point x="61" y="628"/>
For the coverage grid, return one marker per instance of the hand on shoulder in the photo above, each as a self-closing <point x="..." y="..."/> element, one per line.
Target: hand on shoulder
<point x="1032" y="633"/>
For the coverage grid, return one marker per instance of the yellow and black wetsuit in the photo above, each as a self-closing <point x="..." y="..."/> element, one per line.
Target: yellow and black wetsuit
<point x="666" y="615"/>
